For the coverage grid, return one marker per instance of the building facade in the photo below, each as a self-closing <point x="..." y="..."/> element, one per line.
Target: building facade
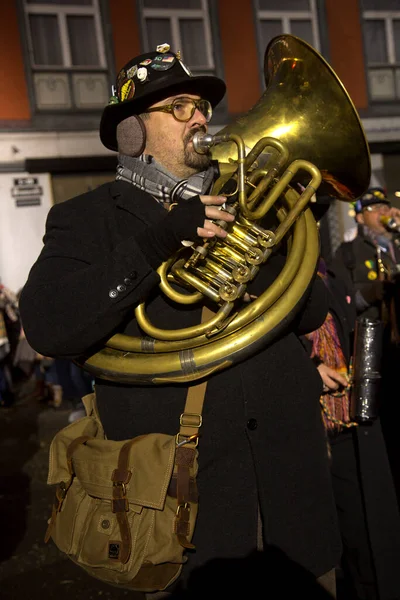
<point x="59" y="58"/>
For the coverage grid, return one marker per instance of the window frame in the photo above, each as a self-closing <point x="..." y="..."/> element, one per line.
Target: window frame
<point x="175" y="15"/>
<point x="74" y="118"/>
<point x="286" y="16"/>
<point x="387" y="16"/>
<point x="62" y="11"/>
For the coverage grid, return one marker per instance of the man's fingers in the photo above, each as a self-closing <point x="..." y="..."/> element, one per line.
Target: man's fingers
<point x="209" y="200"/>
<point x="212" y="212"/>
<point x="211" y="230"/>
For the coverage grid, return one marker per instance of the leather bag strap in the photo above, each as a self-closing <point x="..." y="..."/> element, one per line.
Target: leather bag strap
<point x="186" y="443"/>
<point x="120" y="504"/>
<point x="63" y="487"/>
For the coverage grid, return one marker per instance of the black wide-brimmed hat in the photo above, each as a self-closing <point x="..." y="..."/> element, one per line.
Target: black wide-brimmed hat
<point x="149" y="78"/>
<point x="374" y="195"/>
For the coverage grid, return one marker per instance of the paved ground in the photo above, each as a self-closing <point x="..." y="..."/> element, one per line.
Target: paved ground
<point x="29" y="568"/>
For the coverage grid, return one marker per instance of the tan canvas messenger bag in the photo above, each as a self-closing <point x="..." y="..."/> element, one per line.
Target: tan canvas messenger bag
<point x="125" y="511"/>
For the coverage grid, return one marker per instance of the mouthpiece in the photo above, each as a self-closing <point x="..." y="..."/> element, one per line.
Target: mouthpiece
<point x="390" y="223"/>
<point x="202" y="142"/>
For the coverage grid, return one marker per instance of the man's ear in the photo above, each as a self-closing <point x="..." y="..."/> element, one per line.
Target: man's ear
<point x="360" y="219"/>
<point x="131" y="136"/>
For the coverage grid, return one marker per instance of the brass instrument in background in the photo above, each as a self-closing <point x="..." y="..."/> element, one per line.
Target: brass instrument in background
<point x="304" y="130"/>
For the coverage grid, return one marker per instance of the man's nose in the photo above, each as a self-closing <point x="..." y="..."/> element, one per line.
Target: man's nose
<point x="198" y="118"/>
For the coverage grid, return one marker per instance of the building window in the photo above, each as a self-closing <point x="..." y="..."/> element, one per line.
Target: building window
<point x="67" y="54"/>
<point x="185" y="25"/>
<point x="381" y="29"/>
<point x="297" y="17"/>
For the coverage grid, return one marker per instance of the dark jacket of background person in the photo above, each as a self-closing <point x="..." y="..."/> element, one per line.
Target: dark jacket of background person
<point x="356" y="261"/>
<point x="350" y="262"/>
<point x="262" y="440"/>
<point x="363" y="485"/>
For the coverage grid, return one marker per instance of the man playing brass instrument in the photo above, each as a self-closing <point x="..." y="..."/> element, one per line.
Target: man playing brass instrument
<point x="371" y="263"/>
<point x="372" y="257"/>
<point x="264" y="481"/>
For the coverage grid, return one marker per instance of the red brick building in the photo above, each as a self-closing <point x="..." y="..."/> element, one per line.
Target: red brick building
<point x="59" y="59"/>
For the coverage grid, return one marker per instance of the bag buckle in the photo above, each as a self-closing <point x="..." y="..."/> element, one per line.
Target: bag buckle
<point x="61" y="492"/>
<point x="183" y="508"/>
<point x="188" y="440"/>
<point x="122" y="484"/>
<point x="190" y="420"/>
<point x="119" y="502"/>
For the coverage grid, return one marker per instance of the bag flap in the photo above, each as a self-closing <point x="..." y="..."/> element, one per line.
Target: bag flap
<point x="151" y="462"/>
<point x="58" y="469"/>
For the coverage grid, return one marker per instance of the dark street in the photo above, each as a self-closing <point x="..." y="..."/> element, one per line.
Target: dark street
<point x="29" y="568"/>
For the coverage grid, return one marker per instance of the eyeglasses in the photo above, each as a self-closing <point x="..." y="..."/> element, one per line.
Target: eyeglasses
<point x="379" y="208"/>
<point x="183" y="109"/>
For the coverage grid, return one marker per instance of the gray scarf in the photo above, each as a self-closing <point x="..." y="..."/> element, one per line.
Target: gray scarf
<point x="148" y="175"/>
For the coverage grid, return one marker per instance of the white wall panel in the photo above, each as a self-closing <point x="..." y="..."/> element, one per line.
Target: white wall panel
<point x="21" y="228"/>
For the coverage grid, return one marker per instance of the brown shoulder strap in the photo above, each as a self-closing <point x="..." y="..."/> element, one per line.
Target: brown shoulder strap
<point x="190" y="422"/>
<point x="63" y="487"/>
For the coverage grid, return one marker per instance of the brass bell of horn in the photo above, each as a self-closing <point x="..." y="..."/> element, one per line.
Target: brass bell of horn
<point x="303" y="134"/>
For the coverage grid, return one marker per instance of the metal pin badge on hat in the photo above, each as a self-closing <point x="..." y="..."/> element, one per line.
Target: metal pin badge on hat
<point x="163" y="62"/>
<point x="132" y="71"/>
<point x="114" y="97"/>
<point x="127" y="90"/>
<point x="163" y="48"/>
<point x="184" y="67"/>
<point x="142" y="74"/>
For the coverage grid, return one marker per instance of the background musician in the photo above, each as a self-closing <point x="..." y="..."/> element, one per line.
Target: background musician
<point x="370" y="263"/>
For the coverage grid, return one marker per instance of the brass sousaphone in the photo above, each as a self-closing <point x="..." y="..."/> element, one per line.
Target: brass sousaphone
<point x="303" y="134"/>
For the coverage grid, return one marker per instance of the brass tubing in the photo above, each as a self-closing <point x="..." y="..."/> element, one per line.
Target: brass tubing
<point x="241" y="159"/>
<point x="271" y="173"/>
<point x="253" y="310"/>
<point x="218" y="353"/>
<point x="181" y="334"/>
<point x="214" y="270"/>
<point x="304" y="198"/>
<point x="260" y="147"/>
<point x="227" y="255"/>
<point x="179" y="297"/>
<point x="239" y="237"/>
<point x="197" y="283"/>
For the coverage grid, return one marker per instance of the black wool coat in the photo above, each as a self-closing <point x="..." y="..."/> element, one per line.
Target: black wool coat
<point x="354" y="262"/>
<point x="378" y="495"/>
<point x="262" y="440"/>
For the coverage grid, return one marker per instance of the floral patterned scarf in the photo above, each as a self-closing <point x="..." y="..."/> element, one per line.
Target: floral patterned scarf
<point x="326" y="346"/>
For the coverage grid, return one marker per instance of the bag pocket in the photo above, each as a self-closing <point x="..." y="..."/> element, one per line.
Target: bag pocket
<point x="101" y="544"/>
<point x="69" y="524"/>
<point x="153" y="541"/>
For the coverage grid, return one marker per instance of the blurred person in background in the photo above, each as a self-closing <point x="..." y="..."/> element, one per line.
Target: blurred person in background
<point x="10" y="327"/>
<point x="362" y="481"/>
<point x="370" y="264"/>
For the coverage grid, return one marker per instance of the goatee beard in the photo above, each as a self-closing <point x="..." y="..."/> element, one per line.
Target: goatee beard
<point x="199" y="162"/>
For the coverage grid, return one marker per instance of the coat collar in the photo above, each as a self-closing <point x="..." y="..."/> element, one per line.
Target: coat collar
<point x="137" y="202"/>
